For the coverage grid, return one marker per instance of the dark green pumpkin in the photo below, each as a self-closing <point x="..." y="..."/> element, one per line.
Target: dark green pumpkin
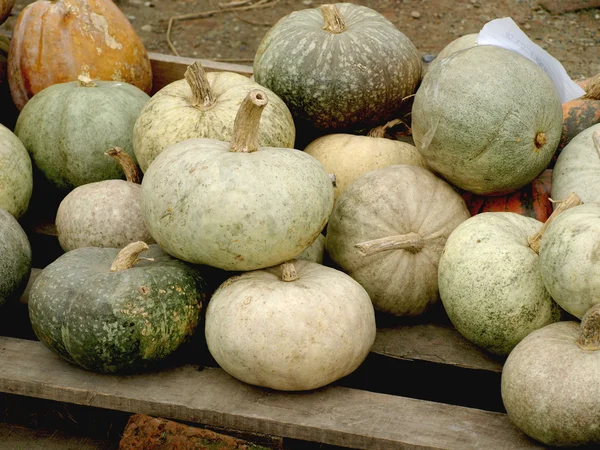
<point x="15" y="258"/>
<point x="119" y="321"/>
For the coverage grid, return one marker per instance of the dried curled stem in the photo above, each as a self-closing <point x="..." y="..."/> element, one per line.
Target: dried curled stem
<point x="129" y="256"/>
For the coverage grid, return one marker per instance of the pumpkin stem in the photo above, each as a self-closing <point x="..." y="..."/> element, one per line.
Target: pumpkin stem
<point x="85" y="81"/>
<point x="540" y="140"/>
<point x="129" y="256"/>
<point x="196" y="78"/>
<point x="379" y="132"/>
<point x="589" y="337"/>
<point x="132" y="172"/>
<point x="569" y="202"/>
<point x="411" y="242"/>
<point x="334" y="22"/>
<point x="247" y="119"/>
<point x="592" y="90"/>
<point x="288" y="272"/>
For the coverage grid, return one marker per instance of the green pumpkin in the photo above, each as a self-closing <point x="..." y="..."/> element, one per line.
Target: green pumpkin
<point x="67" y="128"/>
<point x="16" y="178"/>
<point x="95" y="308"/>
<point x="15" y="258"/>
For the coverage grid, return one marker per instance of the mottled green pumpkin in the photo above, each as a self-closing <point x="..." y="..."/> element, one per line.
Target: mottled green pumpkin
<point x="16" y="178"/>
<point x="15" y="258"/>
<point x="115" y="321"/>
<point x="68" y="127"/>
<point x="340" y="66"/>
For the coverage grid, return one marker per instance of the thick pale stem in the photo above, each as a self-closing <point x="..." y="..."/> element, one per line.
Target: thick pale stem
<point x="596" y="141"/>
<point x="411" y="242"/>
<point x="129" y="256"/>
<point x="592" y="91"/>
<point x="288" y="272"/>
<point x="85" y="81"/>
<point x="247" y="120"/>
<point x="569" y="202"/>
<point x="540" y="140"/>
<point x="334" y="22"/>
<point x="130" y="168"/>
<point x="379" y="132"/>
<point x="589" y="337"/>
<point x="201" y="92"/>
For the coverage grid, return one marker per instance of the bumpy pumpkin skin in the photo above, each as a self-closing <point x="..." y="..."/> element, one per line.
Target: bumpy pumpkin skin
<point x="290" y="335"/>
<point x="461" y="43"/>
<point x="395" y="200"/>
<point x="353" y="79"/>
<point x="15" y="258"/>
<point x="56" y="41"/>
<point x="551" y="388"/>
<point x="16" y="176"/>
<point x="169" y="118"/>
<point x="490" y="282"/>
<point x="115" y="321"/>
<point x="483" y="131"/>
<point x="6" y="7"/>
<point x="67" y="128"/>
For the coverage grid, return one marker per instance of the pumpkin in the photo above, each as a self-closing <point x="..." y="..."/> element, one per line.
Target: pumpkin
<point x="6" y="7"/>
<point x="69" y="126"/>
<point x="551" y="383"/>
<point x="204" y="106"/>
<point x="316" y="252"/>
<point x="236" y="206"/>
<point x="338" y="67"/>
<point x="56" y="41"/>
<point x="293" y="327"/>
<point x="577" y="168"/>
<point x="387" y="231"/>
<point x="109" y="310"/>
<point x="8" y="111"/>
<point x="15" y="258"/>
<point x="490" y="281"/>
<point x="349" y="156"/>
<point x="106" y="213"/>
<point x="487" y="119"/>
<point x="16" y="176"/>
<point x="533" y="200"/>
<point x="461" y="43"/>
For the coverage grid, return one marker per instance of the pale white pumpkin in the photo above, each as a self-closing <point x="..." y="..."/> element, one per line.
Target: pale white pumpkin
<point x="388" y="230"/>
<point x="292" y="327"/>
<point x="16" y="177"/>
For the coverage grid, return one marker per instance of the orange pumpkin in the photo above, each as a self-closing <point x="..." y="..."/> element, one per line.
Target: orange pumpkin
<point x="56" y="41"/>
<point x="6" y="7"/>
<point x="532" y="200"/>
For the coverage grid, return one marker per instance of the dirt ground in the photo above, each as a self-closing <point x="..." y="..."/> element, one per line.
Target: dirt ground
<point x="573" y="38"/>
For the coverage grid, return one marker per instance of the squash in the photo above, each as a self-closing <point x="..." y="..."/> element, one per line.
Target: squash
<point x="298" y="326"/>
<point x="487" y="120"/>
<point x="461" y="43"/>
<point x="16" y="176"/>
<point x="106" y="213"/>
<point x="236" y="206"/>
<point x="349" y="156"/>
<point x="204" y="106"/>
<point x="387" y="231"/>
<point x="15" y="258"/>
<point x="6" y="7"/>
<point x="96" y="308"/>
<point x="577" y="168"/>
<point x="69" y="126"/>
<point x="551" y="383"/>
<point x="533" y="200"/>
<point x="338" y="67"/>
<point x="316" y="252"/>
<point x="56" y="41"/>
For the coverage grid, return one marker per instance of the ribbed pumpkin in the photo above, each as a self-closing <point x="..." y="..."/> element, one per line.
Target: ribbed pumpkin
<point x="236" y="206"/>
<point x="6" y="7"/>
<point x="15" y="258"/>
<point x="56" y="41"/>
<point x="204" y="106"/>
<point x="67" y="128"/>
<point x="340" y="66"/>
<point x="16" y="177"/>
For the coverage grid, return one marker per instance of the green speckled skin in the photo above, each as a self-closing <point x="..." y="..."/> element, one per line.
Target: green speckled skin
<point x="476" y="116"/>
<point x="15" y="258"/>
<point x="235" y="211"/>
<point x="490" y="281"/>
<point x="16" y="178"/>
<point x="115" y="321"/>
<point x="67" y="128"/>
<point x="349" y="80"/>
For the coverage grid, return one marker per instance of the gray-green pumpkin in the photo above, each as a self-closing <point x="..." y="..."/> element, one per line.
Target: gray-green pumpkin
<point x="487" y="119"/>
<point x="16" y="179"/>
<point x="15" y="258"/>
<point x="204" y="105"/>
<point x="236" y="206"/>
<point x="106" y="310"/>
<point x="458" y="44"/>
<point x="340" y="66"/>
<point x="69" y="126"/>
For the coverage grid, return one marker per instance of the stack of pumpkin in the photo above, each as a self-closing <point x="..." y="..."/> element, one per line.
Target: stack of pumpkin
<point x="223" y="188"/>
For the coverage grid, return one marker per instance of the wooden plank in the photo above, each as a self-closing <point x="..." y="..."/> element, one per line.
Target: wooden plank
<point x="16" y="437"/>
<point x="562" y="6"/>
<point x="331" y="415"/>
